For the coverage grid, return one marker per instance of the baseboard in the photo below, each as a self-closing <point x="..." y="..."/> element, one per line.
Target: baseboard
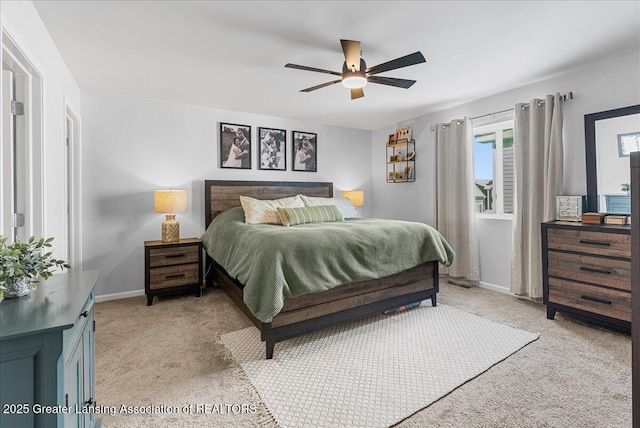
<point x="494" y="287"/>
<point x="118" y="296"/>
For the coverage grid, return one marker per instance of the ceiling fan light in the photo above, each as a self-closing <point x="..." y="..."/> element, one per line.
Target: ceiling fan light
<point x="354" y="81"/>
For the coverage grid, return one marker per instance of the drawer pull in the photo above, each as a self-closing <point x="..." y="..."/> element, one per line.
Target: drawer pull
<point x="603" y="244"/>
<point x="84" y="314"/>
<point x="595" y="299"/>
<point x="180" y="275"/>
<point x="588" y="269"/>
<point x="174" y="256"/>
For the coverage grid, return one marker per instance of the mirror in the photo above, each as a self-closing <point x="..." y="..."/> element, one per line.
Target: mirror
<point x="609" y="138"/>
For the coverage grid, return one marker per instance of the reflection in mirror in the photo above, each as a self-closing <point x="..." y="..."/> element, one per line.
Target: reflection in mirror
<point x="609" y="138"/>
<point x="615" y="139"/>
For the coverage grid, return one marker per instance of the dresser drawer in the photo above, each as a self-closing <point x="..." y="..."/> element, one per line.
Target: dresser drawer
<point x="71" y="336"/>
<point x="174" y="276"/>
<point x="603" y="301"/>
<point x="596" y="270"/>
<point x="173" y="255"/>
<point x="597" y="243"/>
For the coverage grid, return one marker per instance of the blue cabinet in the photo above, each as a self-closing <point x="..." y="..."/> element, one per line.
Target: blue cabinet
<point x="47" y="354"/>
<point x="620" y="204"/>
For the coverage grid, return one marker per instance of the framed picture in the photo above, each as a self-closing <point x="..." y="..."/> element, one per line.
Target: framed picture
<point x="628" y="143"/>
<point x="235" y="146"/>
<point x="408" y="171"/>
<point x="395" y="157"/>
<point x="393" y="138"/>
<point x="403" y="134"/>
<point x="305" y="151"/>
<point x="273" y="148"/>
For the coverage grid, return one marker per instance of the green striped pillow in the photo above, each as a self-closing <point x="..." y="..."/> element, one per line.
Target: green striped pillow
<point x="314" y="214"/>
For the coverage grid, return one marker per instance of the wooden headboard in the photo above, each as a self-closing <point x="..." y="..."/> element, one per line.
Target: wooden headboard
<point x="220" y="195"/>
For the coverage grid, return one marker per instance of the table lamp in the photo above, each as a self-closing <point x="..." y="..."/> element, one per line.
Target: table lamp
<point x="355" y="196"/>
<point x="170" y="202"/>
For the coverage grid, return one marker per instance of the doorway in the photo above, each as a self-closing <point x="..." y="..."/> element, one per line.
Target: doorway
<point x="21" y="157"/>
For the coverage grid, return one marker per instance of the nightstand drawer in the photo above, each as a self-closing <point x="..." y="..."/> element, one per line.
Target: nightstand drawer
<point x="174" y="255"/>
<point x="603" y="301"/>
<point x="596" y="270"/>
<point x="174" y="276"/>
<point x="597" y="243"/>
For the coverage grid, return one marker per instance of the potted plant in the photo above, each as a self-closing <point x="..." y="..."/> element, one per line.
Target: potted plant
<point x="22" y="264"/>
<point x="625" y="188"/>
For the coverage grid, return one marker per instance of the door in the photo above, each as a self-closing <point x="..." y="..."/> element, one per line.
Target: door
<point x="14" y="162"/>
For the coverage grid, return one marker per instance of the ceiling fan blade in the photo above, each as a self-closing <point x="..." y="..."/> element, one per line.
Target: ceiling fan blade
<point x="357" y="93"/>
<point x="391" y="81"/>
<point x="319" y="70"/>
<point x="405" y="61"/>
<point x="324" y="85"/>
<point x="351" y="51"/>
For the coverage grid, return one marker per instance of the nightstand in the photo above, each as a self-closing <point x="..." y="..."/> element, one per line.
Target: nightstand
<point x="173" y="267"/>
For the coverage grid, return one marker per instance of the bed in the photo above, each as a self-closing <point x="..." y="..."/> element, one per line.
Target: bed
<point x="302" y="314"/>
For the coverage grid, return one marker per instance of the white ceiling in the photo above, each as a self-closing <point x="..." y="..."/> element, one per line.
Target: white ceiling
<point x="231" y="55"/>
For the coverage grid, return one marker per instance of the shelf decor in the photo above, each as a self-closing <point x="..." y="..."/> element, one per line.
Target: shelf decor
<point x="400" y="156"/>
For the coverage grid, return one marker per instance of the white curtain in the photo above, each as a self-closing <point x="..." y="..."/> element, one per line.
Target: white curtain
<point x="455" y="196"/>
<point x="539" y="179"/>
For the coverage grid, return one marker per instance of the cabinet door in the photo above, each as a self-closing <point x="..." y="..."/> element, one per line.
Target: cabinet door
<point x="88" y="370"/>
<point x="73" y="379"/>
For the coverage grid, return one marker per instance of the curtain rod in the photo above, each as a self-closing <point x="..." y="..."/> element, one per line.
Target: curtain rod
<point x="564" y="97"/>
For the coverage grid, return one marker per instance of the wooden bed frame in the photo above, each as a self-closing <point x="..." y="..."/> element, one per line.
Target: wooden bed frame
<point x="312" y="312"/>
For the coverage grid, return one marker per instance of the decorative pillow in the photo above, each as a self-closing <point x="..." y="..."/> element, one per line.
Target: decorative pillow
<point x="314" y="214"/>
<point x="344" y="204"/>
<point x="258" y="211"/>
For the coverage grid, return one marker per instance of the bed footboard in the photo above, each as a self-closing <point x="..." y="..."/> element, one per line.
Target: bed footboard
<point x="312" y="312"/>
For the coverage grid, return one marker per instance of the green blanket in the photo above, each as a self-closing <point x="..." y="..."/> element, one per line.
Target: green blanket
<point x="275" y="262"/>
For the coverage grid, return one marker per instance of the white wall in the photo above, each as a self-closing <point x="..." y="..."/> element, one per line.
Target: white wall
<point x="23" y="24"/>
<point x="598" y="87"/>
<point x="133" y="146"/>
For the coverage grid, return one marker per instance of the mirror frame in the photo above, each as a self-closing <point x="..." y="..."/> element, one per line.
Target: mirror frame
<point x="590" y="146"/>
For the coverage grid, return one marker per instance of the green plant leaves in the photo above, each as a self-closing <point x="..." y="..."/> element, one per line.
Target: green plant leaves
<point x="27" y="259"/>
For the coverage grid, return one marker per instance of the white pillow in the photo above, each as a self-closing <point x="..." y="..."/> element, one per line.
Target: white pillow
<point x="258" y="211"/>
<point x="344" y="204"/>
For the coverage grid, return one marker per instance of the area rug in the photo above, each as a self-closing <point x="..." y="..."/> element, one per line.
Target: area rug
<point x="374" y="372"/>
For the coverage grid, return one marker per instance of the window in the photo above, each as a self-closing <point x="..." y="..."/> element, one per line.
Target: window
<point x="493" y="168"/>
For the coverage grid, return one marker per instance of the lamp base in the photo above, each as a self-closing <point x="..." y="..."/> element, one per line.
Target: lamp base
<point x="170" y="229"/>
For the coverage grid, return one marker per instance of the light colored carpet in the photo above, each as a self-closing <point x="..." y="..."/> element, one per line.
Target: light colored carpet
<point x="170" y="353"/>
<point x="375" y="372"/>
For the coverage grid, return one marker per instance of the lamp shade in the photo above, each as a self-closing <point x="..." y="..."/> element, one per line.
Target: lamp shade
<point x="356" y="197"/>
<point x="170" y="201"/>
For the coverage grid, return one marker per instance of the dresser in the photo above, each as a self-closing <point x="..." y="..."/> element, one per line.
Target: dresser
<point x="587" y="272"/>
<point x="47" y="354"/>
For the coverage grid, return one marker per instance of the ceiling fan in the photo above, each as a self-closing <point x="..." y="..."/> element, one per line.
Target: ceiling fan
<point x="355" y="74"/>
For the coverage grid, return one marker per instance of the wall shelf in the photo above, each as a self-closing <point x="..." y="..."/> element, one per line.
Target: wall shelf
<point x="401" y="161"/>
